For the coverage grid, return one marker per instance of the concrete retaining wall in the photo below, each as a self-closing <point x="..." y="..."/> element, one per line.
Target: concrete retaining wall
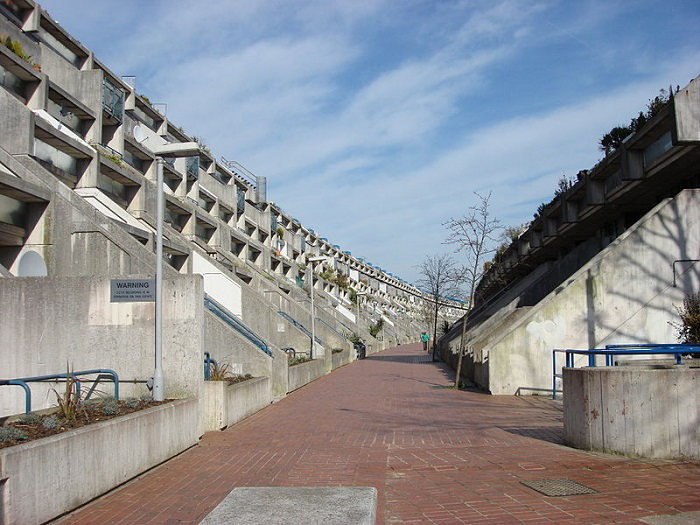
<point x="633" y="410"/>
<point x="624" y="294"/>
<point x="300" y="375"/>
<point x="342" y="358"/>
<point x="51" y="323"/>
<point x="223" y="404"/>
<point x="48" y="477"/>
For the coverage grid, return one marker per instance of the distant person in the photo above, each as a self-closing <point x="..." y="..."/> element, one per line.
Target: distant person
<point x="424" y="337"/>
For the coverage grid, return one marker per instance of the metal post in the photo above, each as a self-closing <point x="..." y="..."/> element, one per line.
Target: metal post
<point x="313" y="317"/>
<point x="158" y="387"/>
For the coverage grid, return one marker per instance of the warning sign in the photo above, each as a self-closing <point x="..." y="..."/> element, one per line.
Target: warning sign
<point x="132" y="291"/>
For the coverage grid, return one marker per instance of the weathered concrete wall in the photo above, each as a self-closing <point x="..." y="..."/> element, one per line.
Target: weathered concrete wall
<point x="49" y="324"/>
<point x="228" y="347"/>
<point x="53" y="475"/>
<point x="300" y="375"/>
<point x="624" y="294"/>
<point x="223" y="404"/>
<point x="342" y="358"/>
<point x="633" y="410"/>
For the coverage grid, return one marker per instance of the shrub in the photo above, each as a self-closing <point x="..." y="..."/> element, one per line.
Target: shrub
<point x="10" y="433"/>
<point x="30" y="419"/>
<point x="110" y="407"/>
<point x="69" y="401"/>
<point x="689" y="328"/>
<point x="50" y="422"/>
<point x="298" y="360"/>
<point x="132" y="402"/>
<point x="376" y="328"/>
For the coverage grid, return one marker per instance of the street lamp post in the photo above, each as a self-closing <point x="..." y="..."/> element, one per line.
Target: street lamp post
<point x="312" y="260"/>
<point x="357" y="299"/>
<point x="158" y="383"/>
<point x="182" y="149"/>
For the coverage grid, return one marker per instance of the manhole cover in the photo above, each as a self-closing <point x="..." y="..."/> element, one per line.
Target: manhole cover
<point x="559" y="487"/>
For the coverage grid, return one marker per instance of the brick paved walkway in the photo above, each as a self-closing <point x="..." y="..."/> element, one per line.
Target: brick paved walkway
<point x="436" y="455"/>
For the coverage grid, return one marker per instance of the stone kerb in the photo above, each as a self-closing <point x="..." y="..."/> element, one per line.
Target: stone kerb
<point x="633" y="410"/>
<point x="223" y="404"/>
<point x="50" y="476"/>
<point x="300" y="375"/>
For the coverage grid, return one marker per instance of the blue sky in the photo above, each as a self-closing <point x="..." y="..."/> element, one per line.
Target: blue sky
<point x="375" y="120"/>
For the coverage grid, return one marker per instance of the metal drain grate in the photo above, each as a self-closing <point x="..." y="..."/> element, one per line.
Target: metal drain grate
<point x="559" y="487"/>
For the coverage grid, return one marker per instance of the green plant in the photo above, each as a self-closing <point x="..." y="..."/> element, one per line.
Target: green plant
<point x="280" y="232"/>
<point x="354" y="338"/>
<point x="69" y="401"/>
<point x="564" y="185"/>
<point x="110" y="407"/>
<point x="220" y="372"/>
<point x="202" y="145"/>
<point x="375" y="328"/>
<point x="114" y="158"/>
<point x="616" y="136"/>
<point x="30" y="419"/>
<point x="132" y="402"/>
<point x="445" y="327"/>
<point x="297" y="360"/>
<point x="353" y="295"/>
<point x="16" y="47"/>
<point x="50" y="422"/>
<point x="688" y="330"/>
<point x="337" y="351"/>
<point x="10" y="433"/>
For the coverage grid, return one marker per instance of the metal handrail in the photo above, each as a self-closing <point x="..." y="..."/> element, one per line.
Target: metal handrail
<point x="208" y="361"/>
<point x="610" y="351"/>
<point x="235" y="323"/>
<point x="299" y="326"/>
<point x="22" y="382"/>
<point x="331" y="327"/>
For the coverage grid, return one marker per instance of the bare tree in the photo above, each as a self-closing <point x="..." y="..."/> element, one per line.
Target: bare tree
<point x="475" y="234"/>
<point x="438" y="279"/>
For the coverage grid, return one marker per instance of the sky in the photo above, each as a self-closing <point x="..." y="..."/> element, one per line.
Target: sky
<point x="375" y="121"/>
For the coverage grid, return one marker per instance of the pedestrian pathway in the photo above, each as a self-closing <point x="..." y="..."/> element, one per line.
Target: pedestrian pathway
<point x="435" y="454"/>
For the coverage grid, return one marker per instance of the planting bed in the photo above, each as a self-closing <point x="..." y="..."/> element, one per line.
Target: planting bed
<point x="33" y="426"/>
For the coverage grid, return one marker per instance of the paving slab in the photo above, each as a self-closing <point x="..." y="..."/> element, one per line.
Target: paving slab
<point x="296" y="506"/>
<point x="434" y="454"/>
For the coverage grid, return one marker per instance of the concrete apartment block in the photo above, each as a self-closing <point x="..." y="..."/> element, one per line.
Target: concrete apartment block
<point x="78" y="192"/>
<point x="605" y="262"/>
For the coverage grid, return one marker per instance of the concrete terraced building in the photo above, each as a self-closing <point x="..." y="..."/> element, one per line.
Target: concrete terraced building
<point x="608" y="261"/>
<point x="78" y="203"/>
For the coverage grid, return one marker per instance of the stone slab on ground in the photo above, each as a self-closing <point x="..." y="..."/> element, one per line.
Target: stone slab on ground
<point x="684" y="518"/>
<point x="296" y="505"/>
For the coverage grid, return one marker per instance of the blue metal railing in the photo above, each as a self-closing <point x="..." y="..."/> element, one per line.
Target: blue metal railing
<point x="22" y="382"/>
<point x="235" y="323"/>
<point x="299" y="325"/>
<point x="330" y="327"/>
<point x="208" y="361"/>
<point x="610" y="351"/>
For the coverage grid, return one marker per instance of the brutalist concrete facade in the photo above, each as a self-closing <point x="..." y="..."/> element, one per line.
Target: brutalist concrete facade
<point x="606" y="262"/>
<point x="78" y="196"/>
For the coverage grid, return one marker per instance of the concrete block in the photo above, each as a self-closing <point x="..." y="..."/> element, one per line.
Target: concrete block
<point x="300" y="375"/>
<point x="633" y="410"/>
<point x="45" y="478"/>
<point x="223" y="404"/>
<point x="296" y="505"/>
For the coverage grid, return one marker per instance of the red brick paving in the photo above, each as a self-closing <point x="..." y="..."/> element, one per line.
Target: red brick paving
<point x="436" y="455"/>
